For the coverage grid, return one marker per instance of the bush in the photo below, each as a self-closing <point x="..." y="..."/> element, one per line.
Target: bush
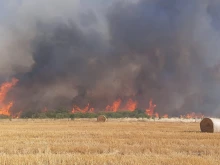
<point x="85" y="115"/>
<point x="51" y="114"/>
<point x="63" y="113"/>
<point x="4" y="117"/>
<point x="28" y="114"/>
<point x="72" y="116"/>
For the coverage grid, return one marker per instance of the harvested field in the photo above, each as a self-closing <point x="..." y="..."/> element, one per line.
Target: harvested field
<point x="62" y="142"/>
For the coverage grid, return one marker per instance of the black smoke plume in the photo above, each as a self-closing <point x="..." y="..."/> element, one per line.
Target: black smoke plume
<point x="78" y="52"/>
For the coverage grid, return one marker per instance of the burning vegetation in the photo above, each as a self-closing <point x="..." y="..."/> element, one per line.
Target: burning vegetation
<point x="4" y="89"/>
<point x="101" y="57"/>
<point x="130" y="106"/>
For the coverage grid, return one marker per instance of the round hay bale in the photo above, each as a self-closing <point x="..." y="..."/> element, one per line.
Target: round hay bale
<point x="101" y="118"/>
<point x="210" y="125"/>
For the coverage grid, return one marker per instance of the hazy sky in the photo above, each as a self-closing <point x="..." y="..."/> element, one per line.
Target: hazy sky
<point x="3" y="8"/>
<point x="9" y="7"/>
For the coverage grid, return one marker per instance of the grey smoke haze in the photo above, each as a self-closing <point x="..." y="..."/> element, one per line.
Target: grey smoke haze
<point x="74" y="52"/>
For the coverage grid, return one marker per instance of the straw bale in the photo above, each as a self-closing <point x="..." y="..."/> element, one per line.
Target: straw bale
<point x="211" y="125"/>
<point x="101" y="118"/>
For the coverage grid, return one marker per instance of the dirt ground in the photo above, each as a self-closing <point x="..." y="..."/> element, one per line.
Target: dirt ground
<point x="86" y="142"/>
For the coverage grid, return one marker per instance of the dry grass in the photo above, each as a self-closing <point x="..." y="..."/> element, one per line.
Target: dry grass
<point x="58" y="142"/>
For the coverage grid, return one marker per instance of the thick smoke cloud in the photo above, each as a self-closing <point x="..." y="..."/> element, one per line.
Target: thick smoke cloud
<point x="75" y="52"/>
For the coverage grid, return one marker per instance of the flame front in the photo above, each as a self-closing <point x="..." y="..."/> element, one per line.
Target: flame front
<point x="5" y="109"/>
<point x="157" y="115"/>
<point x="17" y="115"/>
<point x="131" y="105"/>
<point x="150" y="110"/>
<point x="4" y="89"/>
<point x="84" y="110"/>
<point x="165" y="116"/>
<point x="115" y="106"/>
<point x="192" y="115"/>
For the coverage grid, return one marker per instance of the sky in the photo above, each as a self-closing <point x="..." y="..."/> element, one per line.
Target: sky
<point x="7" y="7"/>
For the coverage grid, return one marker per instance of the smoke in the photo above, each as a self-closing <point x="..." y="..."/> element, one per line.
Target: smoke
<point x="75" y="52"/>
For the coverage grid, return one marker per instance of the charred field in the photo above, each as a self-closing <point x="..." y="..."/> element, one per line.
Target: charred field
<point x="67" y="142"/>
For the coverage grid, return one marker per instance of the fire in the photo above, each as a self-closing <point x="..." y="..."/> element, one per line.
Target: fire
<point x="4" y="89"/>
<point x="4" y="110"/>
<point x="115" y="106"/>
<point x="17" y="115"/>
<point x="44" y="110"/>
<point x="91" y="110"/>
<point x="150" y="110"/>
<point x="156" y="115"/>
<point x="193" y="115"/>
<point x="165" y="116"/>
<point x="84" y="110"/>
<point x="131" y="105"/>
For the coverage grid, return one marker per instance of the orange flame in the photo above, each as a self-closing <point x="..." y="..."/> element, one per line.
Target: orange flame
<point x="4" y="110"/>
<point x="156" y="115"/>
<point x="44" y="110"/>
<point x="115" y="106"/>
<point x="84" y="110"/>
<point x="4" y="89"/>
<point x="76" y="109"/>
<point x="193" y="115"/>
<point x="150" y="110"/>
<point x="17" y="115"/>
<point x="91" y="110"/>
<point x="165" y="116"/>
<point x="131" y="105"/>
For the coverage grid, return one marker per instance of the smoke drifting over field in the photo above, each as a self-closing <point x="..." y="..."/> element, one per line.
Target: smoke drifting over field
<point x="79" y="52"/>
